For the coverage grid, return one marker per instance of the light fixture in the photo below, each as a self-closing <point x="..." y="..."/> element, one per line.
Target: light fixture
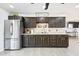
<point x="11" y="6"/>
<point x="46" y="6"/>
<point x="77" y="6"/>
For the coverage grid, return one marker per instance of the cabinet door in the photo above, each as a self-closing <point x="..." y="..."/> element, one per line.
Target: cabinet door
<point x="56" y="22"/>
<point x="52" y="22"/>
<point x="31" y="41"/>
<point x="64" y="41"/>
<point x="59" y="42"/>
<point x="53" y="40"/>
<point x="27" y="22"/>
<point x="45" y="41"/>
<point x="38" y="42"/>
<point x="30" y="22"/>
<point x="33" y="22"/>
<point x="42" y="20"/>
<point x="25" y="41"/>
<point x="14" y="17"/>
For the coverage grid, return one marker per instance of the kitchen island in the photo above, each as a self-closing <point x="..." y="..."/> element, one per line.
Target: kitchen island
<point x="45" y="40"/>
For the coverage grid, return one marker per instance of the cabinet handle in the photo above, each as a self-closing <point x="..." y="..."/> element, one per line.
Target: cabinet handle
<point x="11" y="29"/>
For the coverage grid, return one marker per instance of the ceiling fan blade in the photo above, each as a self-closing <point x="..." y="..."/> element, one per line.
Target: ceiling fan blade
<point x="46" y="6"/>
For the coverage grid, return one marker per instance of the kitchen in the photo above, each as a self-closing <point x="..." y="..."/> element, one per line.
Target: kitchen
<point x="42" y="32"/>
<point x="50" y="27"/>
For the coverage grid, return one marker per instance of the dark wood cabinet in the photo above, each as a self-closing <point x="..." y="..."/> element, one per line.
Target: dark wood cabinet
<point x="42" y="41"/>
<point x="65" y="41"/>
<point x="59" y="41"/>
<point x="38" y="42"/>
<point x="56" y="22"/>
<point x="31" y="41"/>
<point x="33" y="22"/>
<point x="14" y="17"/>
<point x="53" y="41"/>
<point x="25" y="41"/>
<point x="46" y="41"/>
<point x="30" y="22"/>
<point x="62" y="41"/>
<point x="42" y="20"/>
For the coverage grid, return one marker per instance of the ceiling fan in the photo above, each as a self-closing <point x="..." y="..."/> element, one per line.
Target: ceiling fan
<point x="46" y="5"/>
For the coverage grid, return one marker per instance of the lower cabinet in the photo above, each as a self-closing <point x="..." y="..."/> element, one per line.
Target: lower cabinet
<point x="53" y="41"/>
<point x="31" y="41"/>
<point x="25" y="41"/>
<point x="42" y="41"/>
<point x="59" y="41"/>
<point x="62" y="41"/>
<point x="65" y="41"/>
<point x="45" y="41"/>
<point x="38" y="41"/>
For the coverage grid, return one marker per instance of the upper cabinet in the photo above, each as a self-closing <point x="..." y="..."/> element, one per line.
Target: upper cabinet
<point x="14" y="17"/>
<point x="42" y="20"/>
<point x="30" y="22"/>
<point x="53" y="22"/>
<point x="56" y="22"/>
<point x="73" y="24"/>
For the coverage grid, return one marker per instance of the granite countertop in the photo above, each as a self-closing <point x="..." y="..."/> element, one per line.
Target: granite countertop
<point x="45" y="34"/>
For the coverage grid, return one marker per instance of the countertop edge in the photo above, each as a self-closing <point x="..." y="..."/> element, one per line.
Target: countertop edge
<point x="44" y="34"/>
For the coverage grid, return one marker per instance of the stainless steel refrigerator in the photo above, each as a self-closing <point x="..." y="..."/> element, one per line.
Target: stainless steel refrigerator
<point x="12" y="34"/>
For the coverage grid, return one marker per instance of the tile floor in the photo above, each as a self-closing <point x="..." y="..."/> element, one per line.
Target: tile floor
<point x="72" y="50"/>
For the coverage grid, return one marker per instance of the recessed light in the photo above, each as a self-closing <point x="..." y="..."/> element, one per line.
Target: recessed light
<point x="77" y="6"/>
<point x="11" y="6"/>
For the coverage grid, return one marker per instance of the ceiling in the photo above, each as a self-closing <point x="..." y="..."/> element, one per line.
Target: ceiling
<point x="38" y="7"/>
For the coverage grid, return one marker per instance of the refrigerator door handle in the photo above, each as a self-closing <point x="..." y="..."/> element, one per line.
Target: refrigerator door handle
<point x="11" y="28"/>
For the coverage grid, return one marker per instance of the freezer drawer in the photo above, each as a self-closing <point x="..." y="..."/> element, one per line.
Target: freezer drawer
<point x="7" y="44"/>
<point x="12" y="44"/>
<point x="15" y="44"/>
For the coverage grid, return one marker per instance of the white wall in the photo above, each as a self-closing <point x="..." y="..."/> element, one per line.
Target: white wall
<point x="3" y="16"/>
